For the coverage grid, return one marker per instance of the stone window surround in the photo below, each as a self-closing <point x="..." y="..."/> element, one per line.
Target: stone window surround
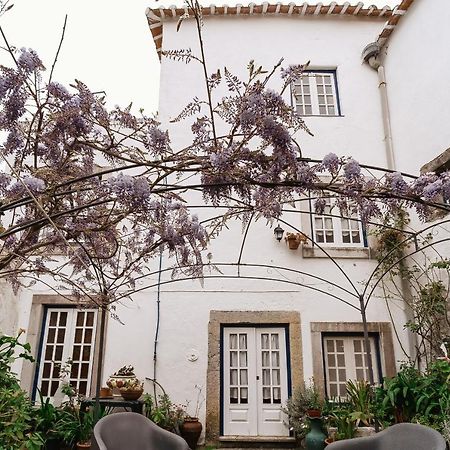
<point x="386" y="345"/>
<point x="341" y="251"/>
<point x="39" y="302"/>
<point x="217" y="320"/>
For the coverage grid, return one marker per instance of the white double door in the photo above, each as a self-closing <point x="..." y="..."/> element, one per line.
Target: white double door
<point x="254" y="381"/>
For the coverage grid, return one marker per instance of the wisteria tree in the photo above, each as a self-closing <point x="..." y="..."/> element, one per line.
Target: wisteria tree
<point x="90" y="196"/>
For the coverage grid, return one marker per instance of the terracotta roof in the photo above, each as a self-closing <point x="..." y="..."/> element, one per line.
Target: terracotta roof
<point x="156" y="16"/>
<point x="392" y="22"/>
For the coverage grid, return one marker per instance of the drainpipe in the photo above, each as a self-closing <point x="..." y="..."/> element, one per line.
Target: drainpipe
<point x="371" y="55"/>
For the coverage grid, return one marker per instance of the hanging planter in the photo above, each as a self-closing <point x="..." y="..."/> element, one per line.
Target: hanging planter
<point x="294" y="240"/>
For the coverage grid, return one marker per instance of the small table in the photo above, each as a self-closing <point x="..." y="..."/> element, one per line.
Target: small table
<point x="136" y="406"/>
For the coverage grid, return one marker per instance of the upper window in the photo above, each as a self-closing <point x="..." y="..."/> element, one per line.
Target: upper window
<point x="346" y="359"/>
<point x="332" y="228"/>
<point x="316" y="94"/>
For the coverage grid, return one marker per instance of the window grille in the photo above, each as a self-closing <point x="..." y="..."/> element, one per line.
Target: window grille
<point x="68" y="337"/>
<point x="346" y="359"/>
<point x="316" y="94"/>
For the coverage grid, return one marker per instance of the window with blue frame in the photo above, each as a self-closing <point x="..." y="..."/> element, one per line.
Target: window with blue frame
<point x="316" y="94"/>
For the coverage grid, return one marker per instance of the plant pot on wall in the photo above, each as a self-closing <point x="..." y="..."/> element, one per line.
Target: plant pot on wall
<point x="190" y="430"/>
<point x="294" y="240"/>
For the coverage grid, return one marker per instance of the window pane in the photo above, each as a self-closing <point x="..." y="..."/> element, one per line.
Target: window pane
<point x="234" y="395"/>
<point x="275" y="342"/>
<point x="243" y="359"/>
<point x="233" y="377"/>
<point x="276" y="359"/>
<point x="244" y="395"/>
<point x="276" y="377"/>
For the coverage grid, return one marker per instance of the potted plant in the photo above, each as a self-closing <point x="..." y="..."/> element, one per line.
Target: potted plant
<point x="75" y="427"/>
<point x="164" y="413"/>
<point x="191" y="428"/>
<point x="126" y="382"/>
<point x="295" y="239"/>
<point x="305" y="403"/>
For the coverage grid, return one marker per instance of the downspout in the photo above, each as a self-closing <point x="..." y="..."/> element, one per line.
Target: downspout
<point x="371" y="55"/>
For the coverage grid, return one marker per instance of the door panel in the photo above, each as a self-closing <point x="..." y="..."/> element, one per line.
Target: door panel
<point x="239" y="392"/>
<point x="272" y="364"/>
<point x="254" y="381"/>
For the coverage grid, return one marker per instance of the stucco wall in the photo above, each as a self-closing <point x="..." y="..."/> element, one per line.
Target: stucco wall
<point x="418" y="70"/>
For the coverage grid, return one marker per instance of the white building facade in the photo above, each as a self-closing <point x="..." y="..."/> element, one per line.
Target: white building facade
<point x="249" y="338"/>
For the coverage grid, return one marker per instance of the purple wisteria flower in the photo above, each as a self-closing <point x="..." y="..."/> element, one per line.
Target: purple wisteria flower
<point x="432" y="191"/>
<point x="5" y="180"/>
<point x="352" y="169"/>
<point x="35" y="185"/>
<point x="158" y="140"/>
<point x="423" y="181"/>
<point x="274" y="132"/>
<point x="28" y="60"/>
<point x="58" y="90"/>
<point x="396" y="183"/>
<point x="331" y="162"/>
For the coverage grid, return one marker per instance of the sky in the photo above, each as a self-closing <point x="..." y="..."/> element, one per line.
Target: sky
<point x="107" y="43"/>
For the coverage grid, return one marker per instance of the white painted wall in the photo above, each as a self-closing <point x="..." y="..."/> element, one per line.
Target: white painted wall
<point x="417" y="71"/>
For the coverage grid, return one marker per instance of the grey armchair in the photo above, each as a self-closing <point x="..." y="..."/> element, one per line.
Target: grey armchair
<point x="132" y="431"/>
<point x="403" y="436"/>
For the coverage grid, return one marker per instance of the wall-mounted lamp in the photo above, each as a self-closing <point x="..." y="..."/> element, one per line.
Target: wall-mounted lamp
<point x="278" y="232"/>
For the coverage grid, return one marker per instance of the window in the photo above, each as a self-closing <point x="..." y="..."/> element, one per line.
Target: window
<point x="345" y="359"/>
<point x="68" y="335"/>
<point x="331" y="228"/>
<point x="316" y="94"/>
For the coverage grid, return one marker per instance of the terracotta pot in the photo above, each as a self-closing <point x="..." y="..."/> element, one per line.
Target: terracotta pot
<point x="131" y="394"/>
<point x="83" y="445"/>
<point x="106" y="392"/>
<point x="190" y="430"/>
<point x="293" y="243"/>
<point x="313" y="413"/>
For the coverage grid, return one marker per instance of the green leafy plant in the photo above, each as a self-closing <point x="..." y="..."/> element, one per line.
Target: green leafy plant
<point x="401" y="393"/>
<point x="164" y="412"/>
<point x="16" y="411"/>
<point x="361" y="399"/>
<point x="303" y="399"/>
<point x="75" y="426"/>
<point x="345" y="424"/>
<point x="45" y="418"/>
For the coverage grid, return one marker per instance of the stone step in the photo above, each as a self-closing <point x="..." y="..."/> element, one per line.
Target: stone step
<point x="257" y="442"/>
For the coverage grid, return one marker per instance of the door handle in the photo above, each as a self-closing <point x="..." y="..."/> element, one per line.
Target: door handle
<point x="257" y="377"/>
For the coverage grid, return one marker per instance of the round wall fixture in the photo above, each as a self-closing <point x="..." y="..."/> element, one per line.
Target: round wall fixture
<point x="192" y="355"/>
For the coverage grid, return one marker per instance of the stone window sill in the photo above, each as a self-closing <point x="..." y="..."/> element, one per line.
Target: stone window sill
<point x="337" y="252"/>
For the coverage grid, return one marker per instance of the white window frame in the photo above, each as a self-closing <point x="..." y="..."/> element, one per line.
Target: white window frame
<point x="348" y="362"/>
<point x="333" y="223"/>
<point x="316" y="94"/>
<point x="67" y="341"/>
